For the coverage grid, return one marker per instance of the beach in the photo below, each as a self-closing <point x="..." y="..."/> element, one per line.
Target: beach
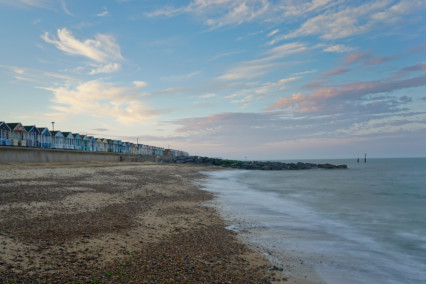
<point x="119" y="222"/>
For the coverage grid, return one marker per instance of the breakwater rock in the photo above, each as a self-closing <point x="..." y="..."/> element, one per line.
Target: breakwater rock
<point x="249" y="165"/>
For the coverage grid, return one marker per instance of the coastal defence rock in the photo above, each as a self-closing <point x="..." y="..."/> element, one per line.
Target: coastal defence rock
<point x="249" y="165"/>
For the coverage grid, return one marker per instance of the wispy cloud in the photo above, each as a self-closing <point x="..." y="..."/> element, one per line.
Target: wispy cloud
<point x="100" y="99"/>
<point x="366" y="58"/>
<point x="64" y="7"/>
<point x="354" y="18"/>
<point x="140" y="84"/>
<point x="35" y="75"/>
<point x="259" y="67"/>
<point x="421" y="67"/>
<point x="334" y="72"/>
<point x="184" y="76"/>
<point x="108" y="68"/>
<point x="298" y="8"/>
<point x="33" y="3"/>
<point x="225" y="54"/>
<point x="256" y="94"/>
<point x="249" y="70"/>
<point x="103" y="13"/>
<point x="304" y="72"/>
<point x="328" y="97"/>
<point x="43" y="4"/>
<point x="354" y="57"/>
<point x="102" y="48"/>
<point x="207" y="96"/>
<point x="218" y="13"/>
<point x="273" y="32"/>
<point x="338" y="48"/>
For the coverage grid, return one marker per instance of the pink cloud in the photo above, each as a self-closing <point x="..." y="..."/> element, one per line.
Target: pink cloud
<point x="379" y="60"/>
<point x="354" y="57"/>
<point x="320" y="98"/>
<point x="333" y="72"/>
<point x="366" y="58"/>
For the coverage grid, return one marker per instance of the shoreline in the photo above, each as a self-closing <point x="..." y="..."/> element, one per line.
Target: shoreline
<point x="296" y="268"/>
<point x="118" y="222"/>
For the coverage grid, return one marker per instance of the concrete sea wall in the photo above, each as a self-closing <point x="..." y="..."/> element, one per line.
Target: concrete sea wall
<point x="10" y="154"/>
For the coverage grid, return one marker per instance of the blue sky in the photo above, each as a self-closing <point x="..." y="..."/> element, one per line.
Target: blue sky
<point x="260" y="79"/>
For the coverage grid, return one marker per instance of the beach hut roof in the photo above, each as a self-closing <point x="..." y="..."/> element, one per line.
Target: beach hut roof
<point x="32" y="128"/>
<point x="67" y="134"/>
<point x="16" y="126"/>
<point x="57" y="133"/>
<point x="4" y="126"/>
<point x="44" y="130"/>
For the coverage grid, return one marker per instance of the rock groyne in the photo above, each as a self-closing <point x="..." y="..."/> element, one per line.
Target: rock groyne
<point x="249" y="165"/>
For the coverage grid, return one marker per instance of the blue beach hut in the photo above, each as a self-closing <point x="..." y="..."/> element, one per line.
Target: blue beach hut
<point x="78" y="142"/>
<point x="68" y="140"/>
<point x="45" y="137"/>
<point x="32" y="136"/>
<point x="5" y="132"/>
<point x="92" y="143"/>
<point x="120" y="146"/>
<point x="57" y="140"/>
<point x="85" y="143"/>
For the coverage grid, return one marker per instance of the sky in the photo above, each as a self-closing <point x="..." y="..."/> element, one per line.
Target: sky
<point x="237" y="79"/>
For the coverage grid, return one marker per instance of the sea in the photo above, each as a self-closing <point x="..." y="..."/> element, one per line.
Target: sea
<point x="364" y="224"/>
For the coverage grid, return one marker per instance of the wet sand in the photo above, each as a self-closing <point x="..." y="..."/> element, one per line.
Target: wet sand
<point x="118" y="222"/>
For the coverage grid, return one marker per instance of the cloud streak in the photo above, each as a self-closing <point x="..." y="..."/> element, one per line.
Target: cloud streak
<point x="218" y="13"/>
<point x="321" y="98"/>
<point x="259" y="67"/>
<point x="337" y="21"/>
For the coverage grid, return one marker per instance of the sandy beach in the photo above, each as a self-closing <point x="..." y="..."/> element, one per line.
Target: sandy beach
<point x="117" y="222"/>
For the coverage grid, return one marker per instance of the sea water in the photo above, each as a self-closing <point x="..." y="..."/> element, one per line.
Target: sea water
<point x="364" y="224"/>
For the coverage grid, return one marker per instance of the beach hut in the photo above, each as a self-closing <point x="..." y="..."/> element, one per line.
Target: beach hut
<point x="110" y="145"/>
<point x="68" y="140"/>
<point x="159" y="151"/>
<point x="5" y="133"/>
<point x="57" y="140"/>
<point x="17" y="135"/>
<point x="124" y="148"/>
<point x="115" y="146"/>
<point x="45" y="137"/>
<point x="92" y="143"/>
<point x="140" y="149"/>
<point x="105" y="145"/>
<point x="31" y="136"/>
<point x="129" y="147"/>
<point x="119" y="146"/>
<point x="99" y="145"/>
<point x="78" y="141"/>
<point x="134" y="149"/>
<point x="85" y="143"/>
